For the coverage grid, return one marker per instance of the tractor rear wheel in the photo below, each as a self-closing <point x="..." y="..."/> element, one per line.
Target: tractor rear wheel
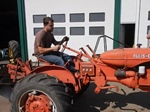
<point x="13" y="51"/>
<point x="40" y="93"/>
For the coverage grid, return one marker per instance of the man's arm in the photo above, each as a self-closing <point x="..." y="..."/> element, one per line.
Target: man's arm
<point x="56" y="42"/>
<point x="45" y="50"/>
<point x="40" y="44"/>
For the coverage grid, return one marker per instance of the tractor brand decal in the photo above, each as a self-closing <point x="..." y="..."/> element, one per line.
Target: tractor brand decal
<point x="141" y="55"/>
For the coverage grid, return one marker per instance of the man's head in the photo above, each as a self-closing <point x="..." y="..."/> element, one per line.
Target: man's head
<point x="48" y="23"/>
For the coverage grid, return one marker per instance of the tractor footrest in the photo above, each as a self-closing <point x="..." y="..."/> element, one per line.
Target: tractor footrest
<point x="97" y="89"/>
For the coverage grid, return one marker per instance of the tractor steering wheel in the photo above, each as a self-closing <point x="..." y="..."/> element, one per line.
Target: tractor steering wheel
<point x="64" y="43"/>
<point x="63" y="46"/>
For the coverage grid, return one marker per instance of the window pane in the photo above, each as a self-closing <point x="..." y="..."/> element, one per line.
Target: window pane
<point x="78" y="17"/>
<point x="148" y="15"/>
<point x="59" y="31"/>
<point x="38" y="18"/>
<point x="76" y="30"/>
<point x="97" y="17"/>
<point x="96" y="30"/>
<point x="37" y="30"/>
<point x="58" y="17"/>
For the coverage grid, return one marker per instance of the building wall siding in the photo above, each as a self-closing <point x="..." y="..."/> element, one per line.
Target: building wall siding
<point x="47" y="7"/>
<point x="78" y="24"/>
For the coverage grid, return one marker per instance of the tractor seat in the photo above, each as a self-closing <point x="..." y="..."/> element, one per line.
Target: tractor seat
<point x="41" y="60"/>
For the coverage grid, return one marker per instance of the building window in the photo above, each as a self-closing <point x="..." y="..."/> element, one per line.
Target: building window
<point x="58" y="17"/>
<point x="77" y="17"/>
<point x="93" y="17"/>
<point x="76" y="30"/>
<point x="96" y="30"/>
<point x="148" y="15"/>
<point x="36" y="30"/>
<point x="59" y="31"/>
<point x="38" y="18"/>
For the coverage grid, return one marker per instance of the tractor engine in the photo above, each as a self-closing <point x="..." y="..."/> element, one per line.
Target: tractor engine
<point x="129" y="64"/>
<point x="126" y="57"/>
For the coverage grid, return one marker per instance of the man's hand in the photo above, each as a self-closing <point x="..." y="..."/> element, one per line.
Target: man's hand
<point x="56" y="48"/>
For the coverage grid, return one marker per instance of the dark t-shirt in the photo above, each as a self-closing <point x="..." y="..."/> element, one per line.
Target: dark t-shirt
<point x="43" y="39"/>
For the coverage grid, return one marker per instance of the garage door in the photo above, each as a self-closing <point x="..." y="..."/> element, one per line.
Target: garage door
<point x="81" y="20"/>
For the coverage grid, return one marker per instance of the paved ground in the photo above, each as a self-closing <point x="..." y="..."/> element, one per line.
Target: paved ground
<point x="126" y="100"/>
<point x="4" y="95"/>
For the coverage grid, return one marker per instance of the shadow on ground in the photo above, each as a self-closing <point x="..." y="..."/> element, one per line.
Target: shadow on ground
<point x="5" y="91"/>
<point x="126" y="100"/>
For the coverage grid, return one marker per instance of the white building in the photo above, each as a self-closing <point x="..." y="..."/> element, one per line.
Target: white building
<point x="83" y="21"/>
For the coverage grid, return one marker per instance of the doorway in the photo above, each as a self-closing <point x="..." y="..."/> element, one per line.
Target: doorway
<point x="127" y="35"/>
<point x="9" y="24"/>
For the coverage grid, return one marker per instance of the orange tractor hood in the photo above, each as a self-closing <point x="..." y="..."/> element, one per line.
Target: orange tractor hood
<point x="128" y="57"/>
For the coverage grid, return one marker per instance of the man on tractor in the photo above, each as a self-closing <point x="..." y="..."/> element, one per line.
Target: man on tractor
<point x="42" y="46"/>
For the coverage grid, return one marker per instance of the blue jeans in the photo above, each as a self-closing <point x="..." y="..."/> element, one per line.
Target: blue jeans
<point x="59" y="58"/>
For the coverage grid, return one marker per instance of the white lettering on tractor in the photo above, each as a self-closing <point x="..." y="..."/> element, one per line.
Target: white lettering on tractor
<point x="141" y="55"/>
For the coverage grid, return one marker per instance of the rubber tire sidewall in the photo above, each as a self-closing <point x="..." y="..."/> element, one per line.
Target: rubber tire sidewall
<point x="61" y="99"/>
<point x="14" y="46"/>
<point x="32" y="87"/>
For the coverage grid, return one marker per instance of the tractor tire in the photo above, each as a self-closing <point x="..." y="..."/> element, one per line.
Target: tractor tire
<point x="13" y="51"/>
<point x="42" y="93"/>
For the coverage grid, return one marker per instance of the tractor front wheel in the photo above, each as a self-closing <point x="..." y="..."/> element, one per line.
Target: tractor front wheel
<point x="40" y="93"/>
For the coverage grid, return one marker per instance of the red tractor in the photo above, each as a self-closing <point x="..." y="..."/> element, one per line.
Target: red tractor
<point x="51" y="88"/>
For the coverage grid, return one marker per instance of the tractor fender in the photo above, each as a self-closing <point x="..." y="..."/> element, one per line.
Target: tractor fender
<point x="61" y="73"/>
